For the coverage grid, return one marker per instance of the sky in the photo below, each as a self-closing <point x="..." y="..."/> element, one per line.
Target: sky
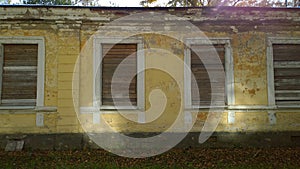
<point x="133" y="3"/>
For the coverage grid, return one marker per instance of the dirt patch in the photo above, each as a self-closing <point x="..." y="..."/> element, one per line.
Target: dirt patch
<point x="175" y="158"/>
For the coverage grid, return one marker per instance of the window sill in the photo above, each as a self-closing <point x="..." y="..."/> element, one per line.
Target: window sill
<point x="17" y="107"/>
<point x="246" y="108"/>
<point x="195" y="108"/>
<point x="251" y="107"/>
<point x="110" y="110"/>
<point x="232" y="107"/>
<point x="263" y="107"/>
<point x="26" y="109"/>
<point x="118" y="108"/>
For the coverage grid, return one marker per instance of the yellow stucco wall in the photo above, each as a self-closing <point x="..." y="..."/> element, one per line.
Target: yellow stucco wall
<point x="63" y="43"/>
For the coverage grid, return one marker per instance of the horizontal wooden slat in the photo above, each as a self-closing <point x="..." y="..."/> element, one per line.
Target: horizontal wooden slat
<point x="218" y="96"/>
<point x="20" y="63"/>
<point x="287" y="64"/>
<point x="120" y="86"/>
<point x="119" y="89"/>
<point x="210" y="80"/>
<point x="19" y="95"/>
<point x="207" y="92"/>
<point x="120" y="101"/>
<point x="288" y="98"/>
<point x="119" y="96"/>
<point x="287" y="95"/>
<point x="20" y="68"/>
<point x="291" y="81"/>
<point x="283" y="103"/>
<point x="19" y="83"/>
<point x="119" y="46"/>
<point x="204" y="53"/>
<point x="12" y="72"/>
<point x="286" y="55"/>
<point x="18" y="104"/>
<point x="20" y="54"/>
<point x="287" y="91"/>
<point x="18" y="78"/>
<point x="208" y="103"/>
<point x="207" y="89"/>
<point x="120" y="52"/>
<point x="286" y="86"/>
<point x="209" y="62"/>
<point x="108" y="93"/>
<point x="112" y="66"/>
<point x="18" y="100"/>
<point x="286" y="73"/>
<point x="113" y="59"/>
<point x="286" y="52"/>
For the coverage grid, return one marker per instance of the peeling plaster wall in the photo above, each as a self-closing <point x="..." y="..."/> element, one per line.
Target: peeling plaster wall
<point x="67" y="31"/>
<point x="250" y="68"/>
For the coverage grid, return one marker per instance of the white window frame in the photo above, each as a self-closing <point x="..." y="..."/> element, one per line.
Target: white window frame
<point x="97" y="59"/>
<point x="270" y="68"/>
<point x="40" y="66"/>
<point x="229" y="80"/>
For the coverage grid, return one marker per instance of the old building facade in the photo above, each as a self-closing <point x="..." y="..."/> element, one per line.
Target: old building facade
<point x="57" y="64"/>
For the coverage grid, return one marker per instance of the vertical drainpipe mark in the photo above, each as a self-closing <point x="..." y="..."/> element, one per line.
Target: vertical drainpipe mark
<point x="96" y="118"/>
<point x="39" y="121"/>
<point x="141" y="117"/>
<point x="272" y="117"/>
<point x="188" y="119"/>
<point x="231" y="117"/>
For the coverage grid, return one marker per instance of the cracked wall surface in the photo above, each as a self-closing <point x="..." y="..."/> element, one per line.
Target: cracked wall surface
<point x="67" y="30"/>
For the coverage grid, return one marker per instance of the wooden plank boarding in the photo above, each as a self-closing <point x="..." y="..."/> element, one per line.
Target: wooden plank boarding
<point x="19" y="74"/>
<point x="200" y="72"/>
<point x="286" y="73"/>
<point x="113" y="56"/>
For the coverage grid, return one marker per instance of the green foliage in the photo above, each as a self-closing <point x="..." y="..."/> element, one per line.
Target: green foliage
<point x="4" y="2"/>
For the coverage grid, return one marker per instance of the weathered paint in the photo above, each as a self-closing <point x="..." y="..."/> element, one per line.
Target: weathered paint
<point x="250" y="68"/>
<point x="67" y="32"/>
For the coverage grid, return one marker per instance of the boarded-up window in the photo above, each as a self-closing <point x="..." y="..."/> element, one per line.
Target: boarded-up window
<point x="113" y="56"/>
<point x="200" y="72"/>
<point x="19" y="74"/>
<point x="286" y="59"/>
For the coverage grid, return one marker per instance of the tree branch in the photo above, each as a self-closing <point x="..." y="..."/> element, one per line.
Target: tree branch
<point x="235" y="3"/>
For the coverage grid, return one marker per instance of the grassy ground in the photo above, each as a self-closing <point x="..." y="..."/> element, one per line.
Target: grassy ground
<point x="250" y="158"/>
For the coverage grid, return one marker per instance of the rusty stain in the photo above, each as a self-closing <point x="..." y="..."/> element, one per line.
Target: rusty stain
<point x="202" y="116"/>
<point x="252" y="92"/>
